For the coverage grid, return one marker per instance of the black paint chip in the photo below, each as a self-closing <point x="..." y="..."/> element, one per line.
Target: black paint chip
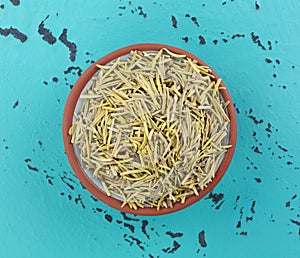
<point x="257" y="41"/>
<point x="174" y="21"/>
<point x="64" y="178"/>
<point x="125" y="216"/>
<point x="256" y="150"/>
<point x="93" y="198"/>
<point x="255" y="120"/>
<point x="249" y="218"/>
<point x="99" y="210"/>
<point x="258" y="180"/>
<point x="16" y="104"/>
<point x="2" y="6"/>
<point x="71" y="69"/>
<point x="32" y="168"/>
<point x="252" y="207"/>
<point x="79" y="200"/>
<point x="185" y="39"/>
<point x="108" y="217"/>
<point x="219" y="205"/>
<point x="70" y="45"/>
<point x="173" y="235"/>
<point x="282" y="148"/>
<point x="257" y="6"/>
<point x="270" y="45"/>
<point x="202" y="40"/>
<point x="142" y="12"/>
<point x="201" y="239"/>
<point x="15" y="2"/>
<point x="194" y="20"/>
<point x="215" y="197"/>
<point x="55" y="79"/>
<point x="239" y="224"/>
<point x="172" y="250"/>
<point x="268" y="60"/>
<point x="129" y="226"/>
<point x="134" y="239"/>
<point x="144" y="225"/>
<point x="15" y="33"/>
<point x="46" y="33"/>
<point x="295" y="222"/>
<point x="268" y="129"/>
<point x="238" y="36"/>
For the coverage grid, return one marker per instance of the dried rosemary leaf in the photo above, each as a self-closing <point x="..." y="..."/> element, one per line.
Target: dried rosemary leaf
<point x="152" y="127"/>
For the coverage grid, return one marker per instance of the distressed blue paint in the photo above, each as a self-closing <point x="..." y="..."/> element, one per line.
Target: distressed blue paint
<point x="37" y="219"/>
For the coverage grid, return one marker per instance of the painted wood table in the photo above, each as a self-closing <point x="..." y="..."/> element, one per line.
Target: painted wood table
<point x="252" y="45"/>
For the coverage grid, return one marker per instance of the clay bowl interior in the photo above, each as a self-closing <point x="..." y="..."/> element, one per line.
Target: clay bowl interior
<point x="93" y="185"/>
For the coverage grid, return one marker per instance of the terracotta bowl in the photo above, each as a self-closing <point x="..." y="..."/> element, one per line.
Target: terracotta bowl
<point x="89" y="184"/>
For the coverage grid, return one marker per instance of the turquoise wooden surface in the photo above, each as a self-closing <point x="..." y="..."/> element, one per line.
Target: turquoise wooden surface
<point x="253" y="46"/>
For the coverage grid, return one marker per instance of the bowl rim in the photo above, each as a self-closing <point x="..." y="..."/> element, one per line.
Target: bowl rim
<point x="75" y="164"/>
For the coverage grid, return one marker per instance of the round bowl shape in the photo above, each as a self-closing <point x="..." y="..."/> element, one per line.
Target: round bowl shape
<point x="89" y="184"/>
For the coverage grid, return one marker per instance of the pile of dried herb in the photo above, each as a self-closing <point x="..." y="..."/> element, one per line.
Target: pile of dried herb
<point x="152" y="128"/>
